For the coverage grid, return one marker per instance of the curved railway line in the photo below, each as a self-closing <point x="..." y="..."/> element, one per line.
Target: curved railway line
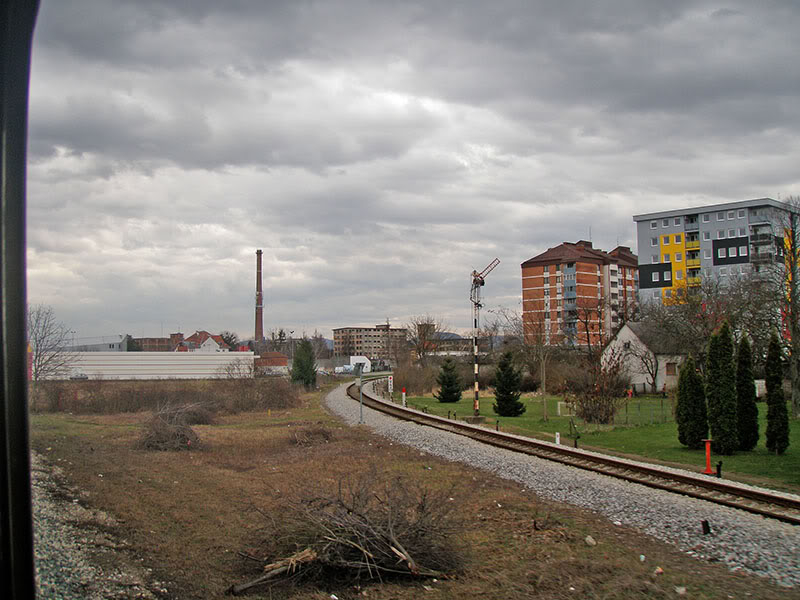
<point x="765" y="503"/>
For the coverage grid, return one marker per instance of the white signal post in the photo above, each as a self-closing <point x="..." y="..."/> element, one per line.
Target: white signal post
<point x="478" y="281"/>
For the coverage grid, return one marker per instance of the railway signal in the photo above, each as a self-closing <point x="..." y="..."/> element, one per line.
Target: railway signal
<point x="478" y="281"/>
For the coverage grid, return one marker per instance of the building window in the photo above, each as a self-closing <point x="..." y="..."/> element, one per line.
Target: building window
<point x="546" y="269"/>
<point x="666" y="258"/>
<point x="706" y="253"/>
<point x="668" y="293"/>
<point x="723" y="271"/>
<point x="656" y="294"/>
<point x="678" y="256"/>
<point x="654" y="259"/>
<point x="679" y="275"/>
<point x="666" y="240"/>
<point x="672" y="368"/>
<point x="655" y="276"/>
<point x="653" y="224"/>
<point x="677" y="221"/>
<point x="731" y="233"/>
<point x="706" y="218"/>
<point x="731" y="214"/>
<point x="741" y="213"/>
<point x="547" y="292"/>
<point x="547" y="281"/>
<point x="678" y="238"/>
<point x="720" y="216"/>
<point x="721" y="234"/>
<point x="665" y="222"/>
<point x="731" y="252"/>
<point x="720" y="252"/>
<point x="706" y="236"/>
<point x="667" y="276"/>
<point x="654" y="241"/>
<point x="742" y="250"/>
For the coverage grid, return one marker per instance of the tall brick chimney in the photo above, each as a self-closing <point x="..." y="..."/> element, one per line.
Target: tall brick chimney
<point x="259" y="301"/>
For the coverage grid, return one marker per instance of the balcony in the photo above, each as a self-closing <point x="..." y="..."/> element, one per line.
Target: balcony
<point x="762" y="258"/>
<point x="761" y="238"/>
<point x="692" y="281"/>
<point x="695" y="226"/>
<point x="693" y="245"/>
<point x="692" y="263"/>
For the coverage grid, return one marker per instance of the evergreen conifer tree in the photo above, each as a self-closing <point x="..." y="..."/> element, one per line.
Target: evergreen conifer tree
<point x="721" y="392"/>
<point x="746" y="409"/>
<point x="507" y="382"/>
<point x="449" y="383"/>
<point x="690" y="412"/>
<point x="304" y="367"/>
<point x="777" y="414"/>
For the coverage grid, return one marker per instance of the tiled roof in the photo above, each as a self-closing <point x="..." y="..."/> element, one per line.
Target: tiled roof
<point x="570" y="252"/>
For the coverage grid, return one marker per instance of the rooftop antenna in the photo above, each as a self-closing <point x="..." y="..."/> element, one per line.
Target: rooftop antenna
<point x="478" y="281"/>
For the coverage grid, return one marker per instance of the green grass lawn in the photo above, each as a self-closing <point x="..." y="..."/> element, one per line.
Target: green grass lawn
<point x="641" y="432"/>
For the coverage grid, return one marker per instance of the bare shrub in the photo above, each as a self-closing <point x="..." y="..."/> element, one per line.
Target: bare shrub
<point x="310" y="436"/>
<point x="369" y="529"/>
<point x="168" y="429"/>
<point x="98" y="396"/>
<point x="416" y="380"/>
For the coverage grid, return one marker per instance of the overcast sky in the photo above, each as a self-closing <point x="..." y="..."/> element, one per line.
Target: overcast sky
<point x="378" y="152"/>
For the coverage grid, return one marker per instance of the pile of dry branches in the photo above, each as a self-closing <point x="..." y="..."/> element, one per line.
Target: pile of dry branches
<point x="366" y="531"/>
<point x="169" y="428"/>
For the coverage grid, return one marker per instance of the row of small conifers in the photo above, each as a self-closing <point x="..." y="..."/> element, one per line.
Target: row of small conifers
<point x="722" y="401"/>
<point x="754" y="500"/>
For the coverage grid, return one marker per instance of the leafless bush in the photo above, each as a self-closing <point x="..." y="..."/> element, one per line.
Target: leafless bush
<point x="169" y="429"/>
<point x="416" y="380"/>
<point x="112" y="397"/>
<point x="368" y="530"/>
<point x="309" y="436"/>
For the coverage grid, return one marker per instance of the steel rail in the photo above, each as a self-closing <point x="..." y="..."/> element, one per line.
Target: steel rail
<point x="707" y="488"/>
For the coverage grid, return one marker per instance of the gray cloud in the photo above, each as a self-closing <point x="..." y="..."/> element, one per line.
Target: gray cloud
<point x="377" y="151"/>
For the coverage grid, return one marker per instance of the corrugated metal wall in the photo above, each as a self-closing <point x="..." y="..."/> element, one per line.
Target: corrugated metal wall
<point x="162" y="365"/>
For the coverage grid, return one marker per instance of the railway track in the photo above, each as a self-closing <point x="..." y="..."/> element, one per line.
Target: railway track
<point x="712" y="489"/>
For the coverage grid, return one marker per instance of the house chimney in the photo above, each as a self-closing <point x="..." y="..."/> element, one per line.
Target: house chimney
<point x="259" y="301"/>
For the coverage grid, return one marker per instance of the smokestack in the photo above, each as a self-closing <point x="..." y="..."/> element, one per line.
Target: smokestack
<point x="259" y="301"/>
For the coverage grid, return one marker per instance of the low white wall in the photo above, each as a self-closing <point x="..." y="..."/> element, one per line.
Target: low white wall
<point x="160" y="365"/>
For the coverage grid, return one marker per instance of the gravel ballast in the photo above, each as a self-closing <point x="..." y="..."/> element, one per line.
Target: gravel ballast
<point x="78" y="555"/>
<point x="740" y="540"/>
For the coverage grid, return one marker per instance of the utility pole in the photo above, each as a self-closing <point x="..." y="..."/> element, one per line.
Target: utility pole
<point x="478" y="281"/>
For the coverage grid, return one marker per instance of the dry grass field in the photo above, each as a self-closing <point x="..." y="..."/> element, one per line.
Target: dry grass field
<point x="194" y="516"/>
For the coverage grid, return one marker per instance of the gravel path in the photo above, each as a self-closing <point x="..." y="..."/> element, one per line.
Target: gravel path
<point x="78" y="554"/>
<point x="740" y="540"/>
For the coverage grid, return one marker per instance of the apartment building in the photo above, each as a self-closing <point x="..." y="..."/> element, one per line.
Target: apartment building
<point x="679" y="247"/>
<point x="376" y="343"/>
<point x="574" y="287"/>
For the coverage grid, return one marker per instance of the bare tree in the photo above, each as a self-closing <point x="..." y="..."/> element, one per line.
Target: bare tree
<point x="534" y="338"/>
<point x="786" y="288"/>
<point x="320" y="346"/>
<point x="51" y="354"/>
<point x="423" y="333"/>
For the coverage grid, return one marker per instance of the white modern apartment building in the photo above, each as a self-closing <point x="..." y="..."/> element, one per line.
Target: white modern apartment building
<point x="679" y="247"/>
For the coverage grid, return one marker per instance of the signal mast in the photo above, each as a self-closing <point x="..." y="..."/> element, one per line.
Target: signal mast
<point x="478" y="281"/>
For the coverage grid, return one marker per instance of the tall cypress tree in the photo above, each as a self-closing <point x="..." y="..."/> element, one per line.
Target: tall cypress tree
<point x="746" y="409"/>
<point x="507" y="383"/>
<point x="777" y="414"/>
<point x="690" y="412"/>
<point x="449" y="383"/>
<point x="721" y="392"/>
